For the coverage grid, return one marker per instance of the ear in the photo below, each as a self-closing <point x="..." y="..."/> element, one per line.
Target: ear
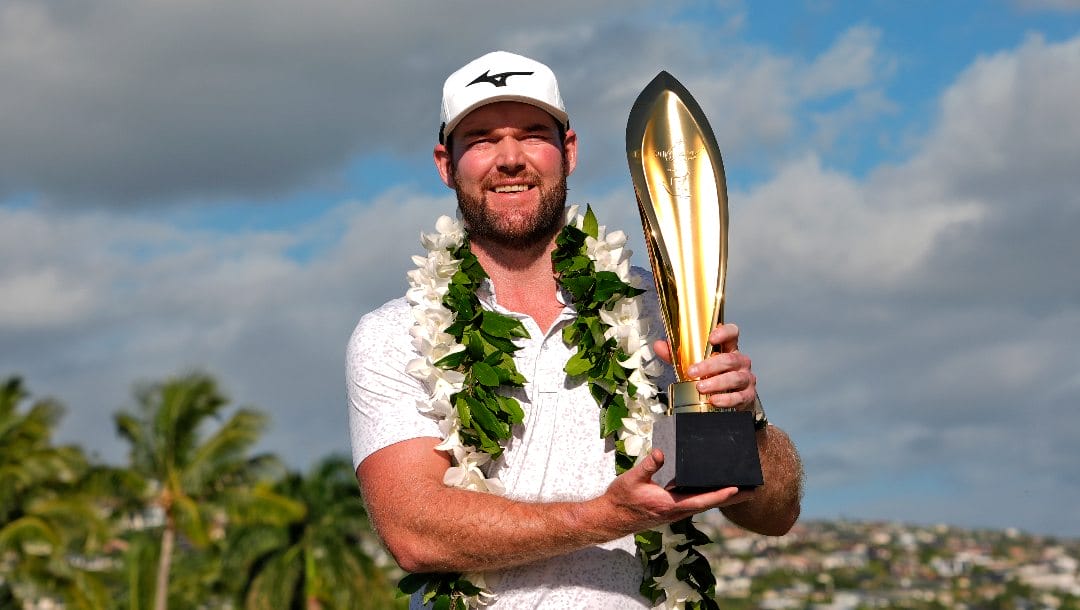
<point x="570" y="150"/>
<point x="442" y="163"/>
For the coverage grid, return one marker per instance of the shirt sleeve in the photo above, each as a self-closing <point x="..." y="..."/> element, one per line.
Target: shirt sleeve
<point x="382" y="397"/>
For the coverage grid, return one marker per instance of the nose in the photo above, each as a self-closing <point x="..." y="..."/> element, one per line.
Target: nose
<point x="510" y="156"/>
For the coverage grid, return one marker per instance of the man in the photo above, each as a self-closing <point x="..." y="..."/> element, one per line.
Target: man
<point x="562" y="535"/>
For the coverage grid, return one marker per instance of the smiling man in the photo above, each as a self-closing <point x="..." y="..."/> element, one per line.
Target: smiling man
<point x="556" y="531"/>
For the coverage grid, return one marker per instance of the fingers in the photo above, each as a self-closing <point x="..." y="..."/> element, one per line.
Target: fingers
<point x="725" y="337"/>
<point x="663" y="349"/>
<point x="729" y="390"/>
<point x="699" y="502"/>
<point x="725" y="377"/>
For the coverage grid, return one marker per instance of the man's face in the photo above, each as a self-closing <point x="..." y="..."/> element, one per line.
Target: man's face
<point x="508" y="165"/>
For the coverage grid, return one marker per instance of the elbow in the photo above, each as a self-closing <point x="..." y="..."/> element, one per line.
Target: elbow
<point x="409" y="561"/>
<point x="769" y="523"/>
<point x="414" y="554"/>
<point x="782" y="525"/>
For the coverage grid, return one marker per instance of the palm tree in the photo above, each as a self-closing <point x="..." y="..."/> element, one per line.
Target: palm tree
<point x="51" y="528"/>
<point x="323" y="559"/>
<point x="196" y="481"/>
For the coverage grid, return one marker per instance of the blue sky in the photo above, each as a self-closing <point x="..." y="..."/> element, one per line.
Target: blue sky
<point x="231" y="186"/>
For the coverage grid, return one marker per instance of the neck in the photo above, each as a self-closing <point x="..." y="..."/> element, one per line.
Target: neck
<point x="523" y="278"/>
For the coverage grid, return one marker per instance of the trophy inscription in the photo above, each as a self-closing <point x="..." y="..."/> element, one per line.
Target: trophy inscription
<point x="681" y="191"/>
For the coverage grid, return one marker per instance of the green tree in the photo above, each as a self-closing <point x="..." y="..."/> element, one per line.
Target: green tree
<point x="196" y="480"/>
<point x="51" y="527"/>
<point x="321" y="560"/>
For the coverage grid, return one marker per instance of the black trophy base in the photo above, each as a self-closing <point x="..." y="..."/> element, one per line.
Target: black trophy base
<point x="707" y="451"/>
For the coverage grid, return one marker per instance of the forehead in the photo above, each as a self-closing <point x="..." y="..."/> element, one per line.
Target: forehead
<point x="505" y="114"/>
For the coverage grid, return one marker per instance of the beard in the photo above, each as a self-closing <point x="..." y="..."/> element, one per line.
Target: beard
<point x="518" y="231"/>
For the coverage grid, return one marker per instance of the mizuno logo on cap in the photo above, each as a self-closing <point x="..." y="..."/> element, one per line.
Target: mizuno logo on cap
<point x="499" y="80"/>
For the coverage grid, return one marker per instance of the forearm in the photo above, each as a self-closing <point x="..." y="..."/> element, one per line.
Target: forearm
<point x="775" y="506"/>
<point x="455" y="530"/>
<point x="429" y="527"/>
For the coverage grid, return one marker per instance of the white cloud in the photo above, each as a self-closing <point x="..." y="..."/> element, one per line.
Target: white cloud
<point x="929" y="301"/>
<point x="166" y="300"/>
<point x="1013" y="115"/>
<point x="821" y="226"/>
<point x="852" y="62"/>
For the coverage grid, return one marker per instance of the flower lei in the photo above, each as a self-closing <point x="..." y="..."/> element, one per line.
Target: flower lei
<point x="466" y="355"/>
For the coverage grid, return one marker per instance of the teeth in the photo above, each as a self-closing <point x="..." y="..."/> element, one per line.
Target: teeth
<point x="513" y="188"/>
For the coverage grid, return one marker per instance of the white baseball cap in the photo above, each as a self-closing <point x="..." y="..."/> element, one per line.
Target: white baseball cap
<point x="500" y="77"/>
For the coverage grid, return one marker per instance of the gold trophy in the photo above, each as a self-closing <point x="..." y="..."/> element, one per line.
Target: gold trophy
<point x="681" y="192"/>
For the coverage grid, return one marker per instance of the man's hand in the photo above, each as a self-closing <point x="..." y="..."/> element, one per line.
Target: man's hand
<point x="637" y="503"/>
<point x="725" y="377"/>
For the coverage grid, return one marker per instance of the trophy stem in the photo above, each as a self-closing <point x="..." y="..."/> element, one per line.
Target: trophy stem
<point x="684" y="398"/>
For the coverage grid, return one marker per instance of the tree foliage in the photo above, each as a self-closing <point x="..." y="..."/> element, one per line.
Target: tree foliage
<point x="194" y="518"/>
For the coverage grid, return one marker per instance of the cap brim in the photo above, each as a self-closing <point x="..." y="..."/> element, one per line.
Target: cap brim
<point x="559" y="115"/>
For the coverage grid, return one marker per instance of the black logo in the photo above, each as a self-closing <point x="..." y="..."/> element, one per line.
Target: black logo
<point x="499" y="80"/>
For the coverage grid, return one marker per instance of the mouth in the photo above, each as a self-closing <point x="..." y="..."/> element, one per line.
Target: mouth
<point x="512" y="188"/>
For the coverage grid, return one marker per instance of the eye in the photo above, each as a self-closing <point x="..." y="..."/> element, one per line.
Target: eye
<point x="538" y="137"/>
<point x="479" y="143"/>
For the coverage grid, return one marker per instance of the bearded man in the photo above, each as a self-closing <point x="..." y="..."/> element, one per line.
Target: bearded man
<point x="558" y="532"/>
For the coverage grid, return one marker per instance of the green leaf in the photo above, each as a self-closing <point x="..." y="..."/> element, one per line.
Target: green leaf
<point x="500" y="344"/>
<point x="608" y="285"/>
<point x="411" y="583"/>
<point x="464" y="413"/>
<point x="623" y="462"/>
<point x="499" y="325"/>
<point x="579" y="287"/>
<point x="487" y="421"/>
<point x="474" y="344"/>
<point x="511" y="407"/>
<point x="590" y="226"/>
<point x="578" y="364"/>
<point x="570" y="239"/>
<point x="613" y="417"/>
<point x="648" y="541"/>
<point x="485" y="375"/>
<point x="452" y="361"/>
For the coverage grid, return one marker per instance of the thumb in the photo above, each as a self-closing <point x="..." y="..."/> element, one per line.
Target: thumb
<point x="650" y="465"/>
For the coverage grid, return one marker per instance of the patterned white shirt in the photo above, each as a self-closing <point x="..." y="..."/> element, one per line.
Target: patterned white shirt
<point x="555" y="455"/>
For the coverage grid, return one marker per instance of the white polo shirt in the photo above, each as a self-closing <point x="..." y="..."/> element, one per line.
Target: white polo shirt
<point x="555" y="455"/>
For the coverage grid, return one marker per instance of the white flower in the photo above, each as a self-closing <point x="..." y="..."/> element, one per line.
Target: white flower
<point x="572" y="217"/>
<point x="636" y="433"/>
<point x="450" y="232"/>
<point x="430" y="281"/>
<point x="669" y="540"/>
<point x="640" y="406"/>
<point x="438" y="409"/>
<point x="468" y="474"/>
<point x="625" y="320"/>
<point x="608" y="251"/>
<point x="484" y="597"/>
<point x="450" y="428"/>
<point x="441" y="383"/>
<point x="676" y="592"/>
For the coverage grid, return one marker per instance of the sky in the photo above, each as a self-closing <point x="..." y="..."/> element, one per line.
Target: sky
<point x="227" y="187"/>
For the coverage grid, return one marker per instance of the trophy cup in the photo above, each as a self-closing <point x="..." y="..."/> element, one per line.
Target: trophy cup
<point x="679" y="181"/>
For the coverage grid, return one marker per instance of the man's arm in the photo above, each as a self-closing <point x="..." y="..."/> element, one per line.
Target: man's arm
<point x="429" y="527"/>
<point x="727" y="379"/>
<point x="775" y="506"/>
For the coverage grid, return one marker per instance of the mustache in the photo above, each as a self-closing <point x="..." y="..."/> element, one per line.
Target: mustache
<point x="492" y="180"/>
